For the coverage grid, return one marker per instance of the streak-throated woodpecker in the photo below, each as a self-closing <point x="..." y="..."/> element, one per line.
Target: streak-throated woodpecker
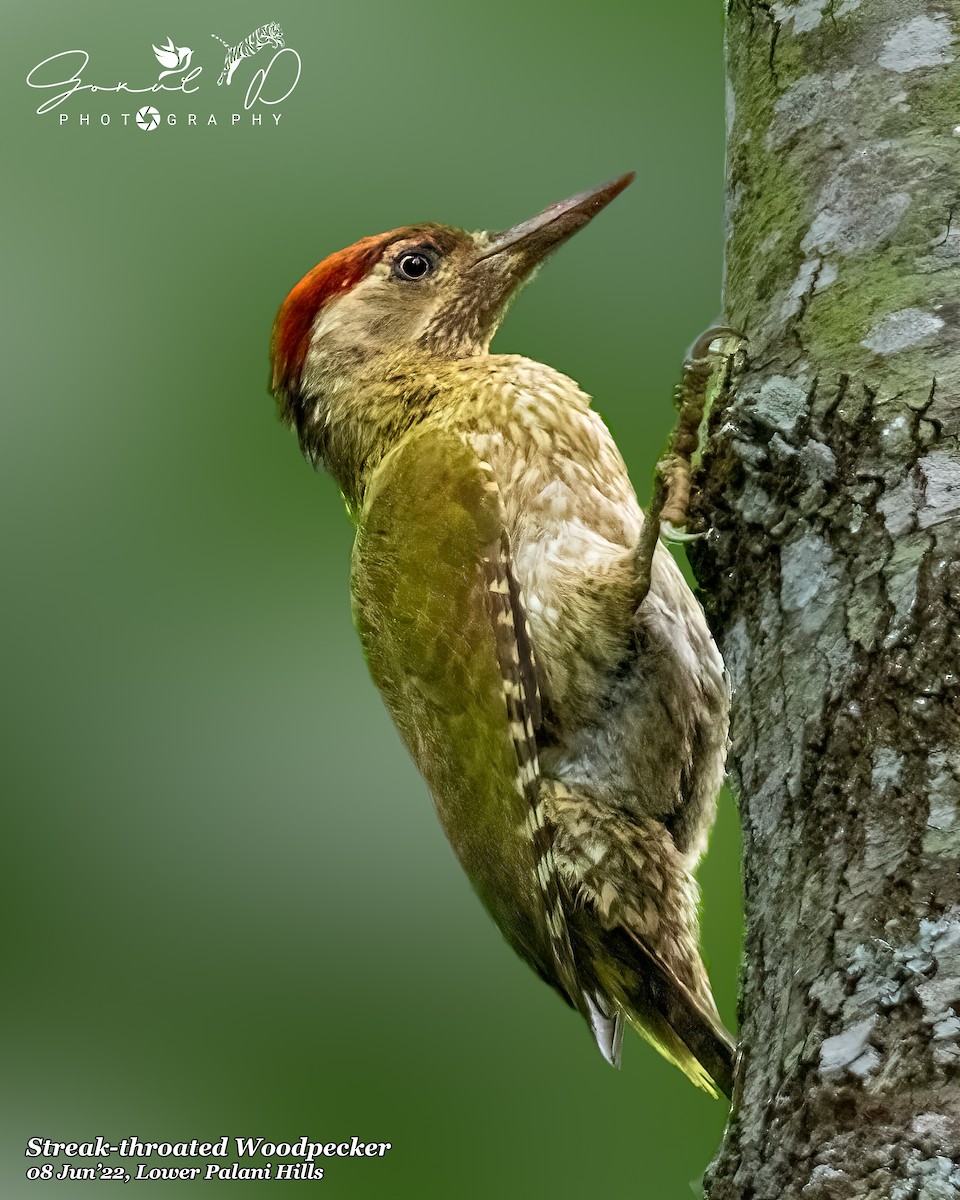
<point x="571" y="722"/>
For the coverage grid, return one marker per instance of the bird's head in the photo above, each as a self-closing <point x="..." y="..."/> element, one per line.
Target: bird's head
<point x="422" y="289"/>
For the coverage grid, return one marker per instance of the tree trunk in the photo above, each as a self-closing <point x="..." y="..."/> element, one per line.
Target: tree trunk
<point x="831" y="483"/>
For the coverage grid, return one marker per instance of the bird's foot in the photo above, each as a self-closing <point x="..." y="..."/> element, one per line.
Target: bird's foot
<point x="691" y="399"/>
<point x="671" y="496"/>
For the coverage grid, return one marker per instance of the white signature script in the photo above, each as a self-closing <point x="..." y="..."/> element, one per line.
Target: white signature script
<point x="78" y="60"/>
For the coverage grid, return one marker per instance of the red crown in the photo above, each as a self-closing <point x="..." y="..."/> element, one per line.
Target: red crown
<point x="329" y="279"/>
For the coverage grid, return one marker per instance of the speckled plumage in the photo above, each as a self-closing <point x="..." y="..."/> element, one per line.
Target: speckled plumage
<point x="572" y="732"/>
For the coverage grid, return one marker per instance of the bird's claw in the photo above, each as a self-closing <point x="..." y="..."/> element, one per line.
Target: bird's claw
<point x="676" y="533"/>
<point x="701" y="347"/>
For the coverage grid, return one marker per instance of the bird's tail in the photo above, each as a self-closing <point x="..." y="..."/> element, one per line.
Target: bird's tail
<point x="668" y="1014"/>
<point x="631" y="910"/>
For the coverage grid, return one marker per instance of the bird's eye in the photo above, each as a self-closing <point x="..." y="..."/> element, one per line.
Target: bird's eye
<point x="413" y="265"/>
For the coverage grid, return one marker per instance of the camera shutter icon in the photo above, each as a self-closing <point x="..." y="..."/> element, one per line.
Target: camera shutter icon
<point x="148" y="117"/>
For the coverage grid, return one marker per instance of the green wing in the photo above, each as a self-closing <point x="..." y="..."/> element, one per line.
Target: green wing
<point x="445" y="637"/>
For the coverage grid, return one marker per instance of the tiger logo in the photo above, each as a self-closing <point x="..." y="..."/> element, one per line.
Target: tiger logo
<point x="267" y="35"/>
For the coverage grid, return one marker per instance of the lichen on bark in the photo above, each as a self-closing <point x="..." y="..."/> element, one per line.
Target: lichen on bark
<point x="831" y="484"/>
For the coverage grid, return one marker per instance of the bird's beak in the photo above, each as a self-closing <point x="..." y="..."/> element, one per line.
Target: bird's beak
<point x="526" y="245"/>
<point x="503" y="262"/>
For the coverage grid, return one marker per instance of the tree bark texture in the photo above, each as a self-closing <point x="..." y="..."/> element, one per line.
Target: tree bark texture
<point x="831" y="484"/>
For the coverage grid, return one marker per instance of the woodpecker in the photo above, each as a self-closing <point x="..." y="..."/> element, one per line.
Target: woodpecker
<point x="565" y="703"/>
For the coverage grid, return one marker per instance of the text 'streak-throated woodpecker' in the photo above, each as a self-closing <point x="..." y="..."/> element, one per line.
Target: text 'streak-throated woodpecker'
<point x="572" y="730"/>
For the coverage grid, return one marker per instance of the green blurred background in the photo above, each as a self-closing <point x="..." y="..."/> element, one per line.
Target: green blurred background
<point x="229" y="906"/>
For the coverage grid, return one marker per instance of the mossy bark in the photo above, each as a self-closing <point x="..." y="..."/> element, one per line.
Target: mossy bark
<point x="831" y="484"/>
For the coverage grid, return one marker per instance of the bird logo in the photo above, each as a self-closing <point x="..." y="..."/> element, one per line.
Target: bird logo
<point x="174" y="59"/>
<point x="148" y="118"/>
